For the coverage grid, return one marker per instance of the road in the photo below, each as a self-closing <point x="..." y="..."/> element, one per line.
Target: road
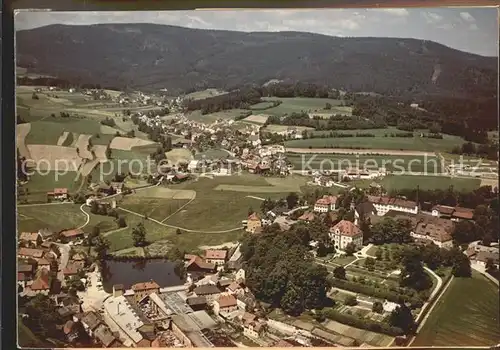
<point x="64" y="249"/>
<point x="258" y="198"/>
<point x="181" y="228"/>
<point x="41" y="204"/>
<point x="86" y="214"/>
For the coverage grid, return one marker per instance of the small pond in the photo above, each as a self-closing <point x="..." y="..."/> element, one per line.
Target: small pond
<point x="136" y="271"/>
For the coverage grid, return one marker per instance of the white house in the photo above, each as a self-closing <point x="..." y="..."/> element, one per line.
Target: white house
<point x="325" y="204"/>
<point x="346" y="232"/>
<point x="225" y="304"/>
<point x="438" y="231"/>
<point x="384" y="204"/>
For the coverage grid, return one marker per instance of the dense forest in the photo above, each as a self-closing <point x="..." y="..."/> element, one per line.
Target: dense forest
<point x="184" y="59"/>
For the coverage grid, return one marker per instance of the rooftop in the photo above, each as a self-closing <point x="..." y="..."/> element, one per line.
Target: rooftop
<point x="347" y="228"/>
<point x="123" y="314"/>
<point x="145" y="286"/>
<point x="227" y="301"/>
<point x="215" y="254"/>
<point x="176" y="303"/>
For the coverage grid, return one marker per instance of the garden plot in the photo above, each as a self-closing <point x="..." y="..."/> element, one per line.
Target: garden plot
<point x="55" y="158"/>
<point x="108" y="130"/>
<point x="165" y="193"/>
<point x="100" y="153"/>
<point x="126" y="144"/>
<point x="363" y="336"/>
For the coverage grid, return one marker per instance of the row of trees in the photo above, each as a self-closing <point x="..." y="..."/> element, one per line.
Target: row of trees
<point x="242" y="98"/>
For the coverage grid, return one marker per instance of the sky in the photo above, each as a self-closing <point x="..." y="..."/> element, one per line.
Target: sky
<point x="468" y="29"/>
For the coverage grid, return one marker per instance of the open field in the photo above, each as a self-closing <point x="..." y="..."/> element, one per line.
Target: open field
<point x="155" y="208"/>
<point x="48" y="132"/>
<point x="22" y="130"/>
<point x="261" y="105"/>
<point x="291" y="105"/>
<point x="33" y="218"/>
<point x="216" y="208"/>
<point x="165" y="193"/>
<point x="177" y="155"/>
<point x="428" y="182"/>
<point x="256" y="119"/>
<point x="274" y="128"/>
<point x="281" y="185"/>
<point x="126" y="144"/>
<point x="381" y="143"/>
<point x="55" y="158"/>
<point x="200" y="95"/>
<point x="466" y="315"/>
<point x="212" y="154"/>
<point x="212" y="117"/>
<point x="373" y="151"/>
<point x="428" y="164"/>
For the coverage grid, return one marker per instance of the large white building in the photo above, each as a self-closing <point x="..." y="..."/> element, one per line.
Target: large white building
<point x="346" y="232"/>
<point x="384" y="204"/>
<point x="438" y="231"/>
<point x="325" y="204"/>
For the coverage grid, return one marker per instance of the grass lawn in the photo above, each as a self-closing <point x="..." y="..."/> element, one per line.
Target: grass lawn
<point x="26" y="338"/>
<point x="391" y="143"/>
<point x="40" y="183"/>
<point x="466" y="315"/>
<point x="372" y="251"/>
<point x="56" y="217"/>
<point x="261" y="105"/>
<point x="429" y="164"/>
<point x="290" y="105"/>
<point x="212" y="154"/>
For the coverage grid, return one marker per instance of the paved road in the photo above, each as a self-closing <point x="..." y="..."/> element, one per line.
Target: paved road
<point x="182" y="228"/>
<point x="41" y="204"/>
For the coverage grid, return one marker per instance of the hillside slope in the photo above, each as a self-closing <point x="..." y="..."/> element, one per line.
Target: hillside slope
<point x="158" y="56"/>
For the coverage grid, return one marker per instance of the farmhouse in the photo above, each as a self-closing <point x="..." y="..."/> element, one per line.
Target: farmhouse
<point x="198" y="265"/>
<point x="41" y="284"/>
<point x="144" y="289"/>
<point x="71" y="235"/>
<point x="217" y="257"/>
<point x="325" y="204"/>
<point x="384" y="204"/>
<point x="436" y="230"/>
<point x="482" y="258"/>
<point x="253" y="223"/>
<point x="346" y="232"/>
<point x="225" y="304"/>
<point x="58" y="193"/>
<point x="253" y="327"/>
<point x="32" y="238"/>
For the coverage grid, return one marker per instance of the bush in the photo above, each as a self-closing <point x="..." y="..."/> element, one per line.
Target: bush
<point x="351" y="301"/>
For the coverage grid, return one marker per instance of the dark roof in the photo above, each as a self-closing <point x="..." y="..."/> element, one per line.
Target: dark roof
<point x="206" y="289"/>
<point x="193" y="301"/>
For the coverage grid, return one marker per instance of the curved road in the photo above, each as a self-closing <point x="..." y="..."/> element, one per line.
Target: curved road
<point x="86" y="214"/>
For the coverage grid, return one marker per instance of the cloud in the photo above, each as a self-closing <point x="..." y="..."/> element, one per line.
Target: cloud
<point x="394" y="12"/>
<point x="466" y="16"/>
<point x="432" y="17"/>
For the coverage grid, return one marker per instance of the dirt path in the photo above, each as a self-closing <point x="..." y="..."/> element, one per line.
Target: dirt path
<point x="178" y="227"/>
<point x="258" y="198"/>
<point x="359" y="151"/>
<point x="86" y="214"/>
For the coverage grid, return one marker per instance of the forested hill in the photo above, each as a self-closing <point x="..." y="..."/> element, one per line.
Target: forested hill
<point x="148" y="56"/>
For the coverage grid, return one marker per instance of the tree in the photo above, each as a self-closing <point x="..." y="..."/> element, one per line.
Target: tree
<point x="178" y="231"/>
<point x="175" y="254"/>
<point x="101" y="246"/>
<point x="42" y="316"/>
<point x="139" y="235"/>
<point x="370" y="264"/>
<point x="96" y="231"/>
<point x="413" y="274"/>
<point x="292" y="199"/>
<point x="108" y="152"/>
<point x="121" y="222"/>
<point x="291" y="302"/>
<point x="94" y="207"/>
<point x="339" y="273"/>
<point x="490" y="265"/>
<point x="267" y="205"/>
<point x="349" y="249"/>
<point x="378" y="307"/>
<point x="460" y="264"/>
<point x="351" y="300"/>
<point x="402" y="318"/>
<point x="378" y="254"/>
<point x="464" y="232"/>
<point x="328" y="106"/>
